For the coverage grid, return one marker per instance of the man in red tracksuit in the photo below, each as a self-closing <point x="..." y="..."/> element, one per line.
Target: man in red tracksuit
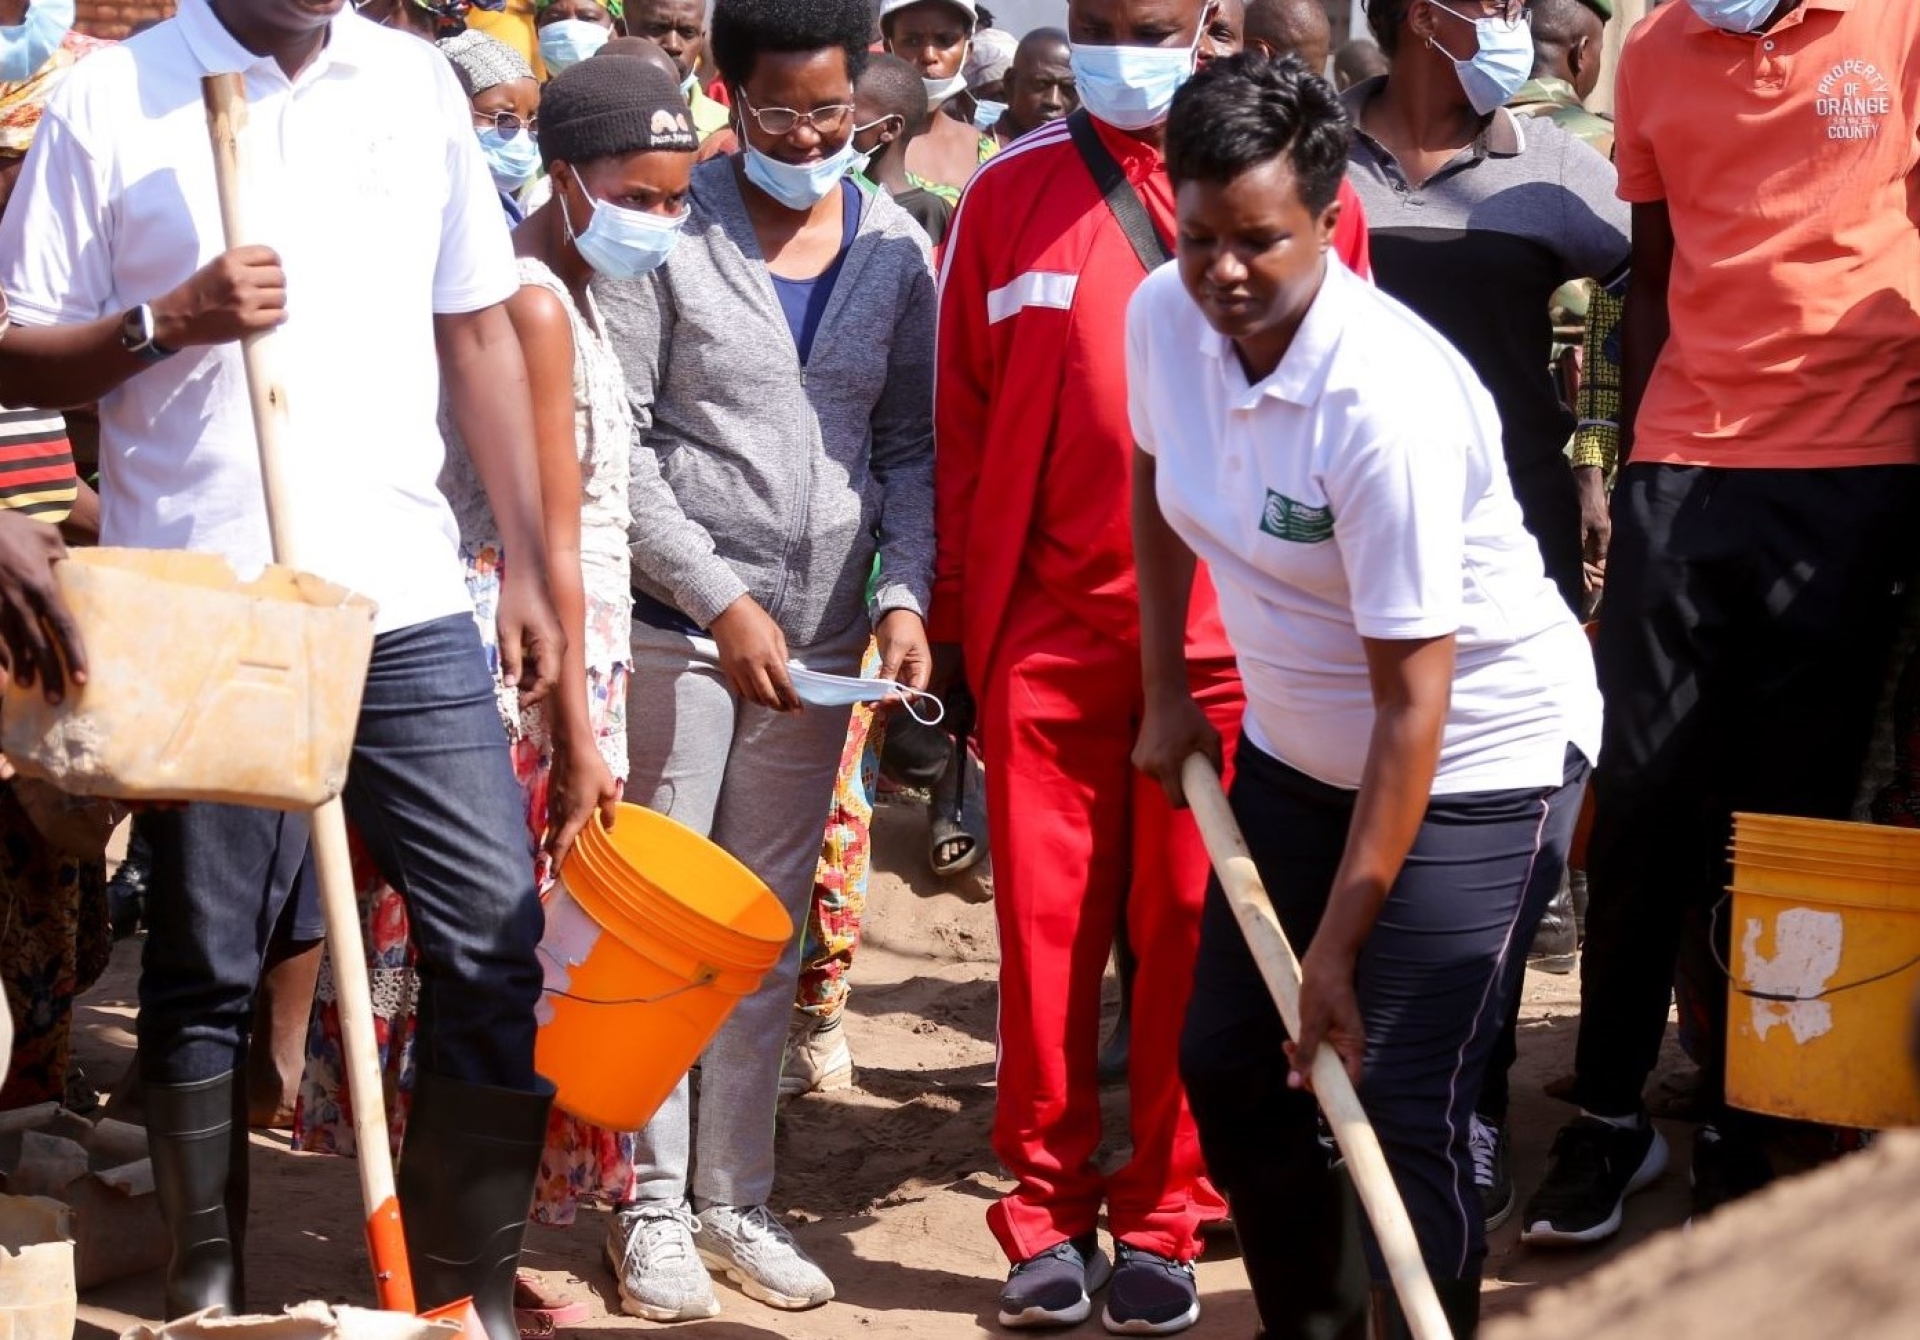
<point x="1036" y="584"/>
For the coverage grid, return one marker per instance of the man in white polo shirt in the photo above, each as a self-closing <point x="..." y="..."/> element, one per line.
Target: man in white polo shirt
<point x="112" y="252"/>
<point x="1421" y="706"/>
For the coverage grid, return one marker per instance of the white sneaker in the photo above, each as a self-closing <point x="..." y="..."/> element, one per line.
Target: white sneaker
<point x="818" y="1058"/>
<point x="650" y="1247"/>
<point x="755" y="1251"/>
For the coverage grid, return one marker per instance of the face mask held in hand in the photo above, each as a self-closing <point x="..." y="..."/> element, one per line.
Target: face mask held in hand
<point x="1132" y="87"/>
<point x="1735" y="16"/>
<point x="824" y="690"/>
<point x="1501" y="65"/>
<point x="800" y="185"/>
<point x="511" y="161"/>
<point x="567" y="42"/>
<point x="622" y="243"/>
<point x="28" y="45"/>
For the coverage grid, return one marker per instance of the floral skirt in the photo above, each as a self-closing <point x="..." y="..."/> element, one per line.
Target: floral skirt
<point x="582" y="1161"/>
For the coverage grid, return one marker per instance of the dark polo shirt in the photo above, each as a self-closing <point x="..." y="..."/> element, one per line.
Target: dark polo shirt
<point x="1479" y="248"/>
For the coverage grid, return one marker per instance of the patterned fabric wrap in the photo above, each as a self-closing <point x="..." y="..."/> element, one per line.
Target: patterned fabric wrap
<point x="21" y="103"/>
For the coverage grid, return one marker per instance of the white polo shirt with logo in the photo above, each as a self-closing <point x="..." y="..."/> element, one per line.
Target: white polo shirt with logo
<point x="1359" y="491"/>
<point x="368" y="181"/>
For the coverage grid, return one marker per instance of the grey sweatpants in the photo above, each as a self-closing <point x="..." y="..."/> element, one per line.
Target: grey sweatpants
<point x="760" y="784"/>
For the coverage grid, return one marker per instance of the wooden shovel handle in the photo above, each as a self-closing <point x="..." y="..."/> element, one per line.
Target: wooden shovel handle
<point x="1281" y="969"/>
<point x="226" y="100"/>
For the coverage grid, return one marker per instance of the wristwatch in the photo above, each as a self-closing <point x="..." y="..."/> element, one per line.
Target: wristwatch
<point x="136" y="335"/>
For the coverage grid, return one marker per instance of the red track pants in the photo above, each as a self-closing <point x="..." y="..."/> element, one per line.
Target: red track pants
<point x="1073" y="826"/>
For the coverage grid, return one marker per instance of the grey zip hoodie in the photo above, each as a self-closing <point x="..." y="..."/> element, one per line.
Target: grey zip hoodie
<point x="753" y="475"/>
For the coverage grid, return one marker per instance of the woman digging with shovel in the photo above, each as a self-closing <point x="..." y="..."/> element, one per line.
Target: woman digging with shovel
<point x="1421" y="705"/>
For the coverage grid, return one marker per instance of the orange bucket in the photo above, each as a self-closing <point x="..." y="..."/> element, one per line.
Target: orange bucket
<point x="653" y="935"/>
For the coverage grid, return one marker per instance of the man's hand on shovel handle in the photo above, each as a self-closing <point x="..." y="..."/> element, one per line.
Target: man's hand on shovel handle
<point x="233" y="295"/>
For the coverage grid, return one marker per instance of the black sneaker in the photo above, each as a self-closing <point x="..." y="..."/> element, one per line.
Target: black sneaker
<point x="1726" y="1166"/>
<point x="1593" y="1168"/>
<point x="1054" y="1288"/>
<point x="1492" y="1175"/>
<point x="1150" y="1295"/>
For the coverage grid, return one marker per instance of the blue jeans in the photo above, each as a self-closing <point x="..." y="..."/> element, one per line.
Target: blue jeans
<point x="432" y="792"/>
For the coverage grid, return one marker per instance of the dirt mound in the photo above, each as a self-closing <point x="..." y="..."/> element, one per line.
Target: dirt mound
<point x="1831" y="1254"/>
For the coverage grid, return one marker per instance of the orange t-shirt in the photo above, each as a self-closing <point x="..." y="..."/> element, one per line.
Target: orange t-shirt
<point x="1789" y="162"/>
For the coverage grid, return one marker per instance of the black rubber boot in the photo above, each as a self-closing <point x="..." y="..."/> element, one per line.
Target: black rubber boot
<point x="191" y="1137"/>
<point x="1299" y="1229"/>
<point x="1459" y="1299"/>
<point x="466" y="1184"/>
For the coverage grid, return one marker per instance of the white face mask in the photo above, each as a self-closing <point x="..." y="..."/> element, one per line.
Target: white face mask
<point x="824" y="690"/>
<point x="940" y="90"/>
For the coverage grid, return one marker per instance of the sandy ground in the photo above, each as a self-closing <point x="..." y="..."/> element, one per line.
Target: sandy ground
<point x="886" y="1184"/>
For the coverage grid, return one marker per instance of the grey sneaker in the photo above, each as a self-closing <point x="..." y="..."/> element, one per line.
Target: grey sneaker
<point x="818" y="1059"/>
<point x="755" y="1251"/>
<point x="650" y="1247"/>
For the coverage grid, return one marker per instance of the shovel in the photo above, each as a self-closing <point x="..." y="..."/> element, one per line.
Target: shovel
<point x="1268" y="944"/>
<point x="226" y="100"/>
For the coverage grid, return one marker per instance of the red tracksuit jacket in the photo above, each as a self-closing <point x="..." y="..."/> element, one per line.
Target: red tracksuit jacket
<point x="1030" y="406"/>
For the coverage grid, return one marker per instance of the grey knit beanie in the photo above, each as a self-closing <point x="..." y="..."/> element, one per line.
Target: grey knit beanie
<point x="481" y="62"/>
<point x="612" y="105"/>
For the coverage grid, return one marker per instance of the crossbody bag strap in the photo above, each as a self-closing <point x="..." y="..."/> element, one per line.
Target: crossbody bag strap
<point x="1111" y="180"/>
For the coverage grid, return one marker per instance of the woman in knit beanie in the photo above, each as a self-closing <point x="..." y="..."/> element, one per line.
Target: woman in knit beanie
<point x="618" y="145"/>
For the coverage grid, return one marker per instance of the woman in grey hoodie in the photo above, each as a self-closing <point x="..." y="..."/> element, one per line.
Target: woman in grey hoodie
<point x="781" y="371"/>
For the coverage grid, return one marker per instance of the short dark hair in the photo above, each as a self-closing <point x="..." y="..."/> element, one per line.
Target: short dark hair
<point x="1245" y="110"/>
<point x="742" y="29"/>
<point x="1384" y="18"/>
<point x="897" y="86"/>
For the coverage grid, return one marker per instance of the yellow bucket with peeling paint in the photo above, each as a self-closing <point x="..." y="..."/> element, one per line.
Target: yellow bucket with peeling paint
<point x="1824" y="965"/>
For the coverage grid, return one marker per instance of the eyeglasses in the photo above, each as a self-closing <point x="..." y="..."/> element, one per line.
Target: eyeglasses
<point x="508" y="125"/>
<point x="1505" y="15"/>
<point x="783" y="120"/>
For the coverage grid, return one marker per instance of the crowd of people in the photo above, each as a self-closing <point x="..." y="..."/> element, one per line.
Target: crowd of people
<point x="709" y="382"/>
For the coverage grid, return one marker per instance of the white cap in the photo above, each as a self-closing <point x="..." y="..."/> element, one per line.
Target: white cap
<point x="964" y="6"/>
<point x="990" y="56"/>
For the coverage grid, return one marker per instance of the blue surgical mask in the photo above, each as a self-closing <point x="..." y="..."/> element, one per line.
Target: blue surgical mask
<point x="621" y="243"/>
<point x="800" y="185"/>
<point x="824" y="690"/>
<point x="567" y="42"/>
<point x="688" y="85"/>
<point x="28" y="45"/>
<point x="511" y="161"/>
<point x="1502" y="64"/>
<point x="1132" y="87"/>
<point x="1735" y="16"/>
<point x="987" y="114"/>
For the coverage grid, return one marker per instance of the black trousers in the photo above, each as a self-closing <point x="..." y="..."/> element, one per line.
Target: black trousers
<point x="1749" y="618"/>
<point x="1433" y="980"/>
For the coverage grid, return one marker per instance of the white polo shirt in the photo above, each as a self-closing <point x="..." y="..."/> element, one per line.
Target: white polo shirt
<point x="368" y="181"/>
<point x="1359" y="491"/>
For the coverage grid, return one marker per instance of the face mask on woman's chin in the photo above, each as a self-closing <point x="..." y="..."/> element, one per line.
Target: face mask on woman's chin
<point x="30" y="44"/>
<point x="799" y="186"/>
<point x="939" y="91"/>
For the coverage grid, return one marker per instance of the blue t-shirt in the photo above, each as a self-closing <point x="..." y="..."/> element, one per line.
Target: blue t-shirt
<point x="805" y="300"/>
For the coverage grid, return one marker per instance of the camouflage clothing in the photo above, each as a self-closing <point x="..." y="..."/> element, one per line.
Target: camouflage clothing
<point x="1556" y="100"/>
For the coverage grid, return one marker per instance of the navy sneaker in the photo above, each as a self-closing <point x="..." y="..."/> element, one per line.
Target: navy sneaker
<point x="1151" y="1294"/>
<point x="1055" y="1287"/>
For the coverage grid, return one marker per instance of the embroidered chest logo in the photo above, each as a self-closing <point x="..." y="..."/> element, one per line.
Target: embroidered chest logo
<point x="1853" y="99"/>
<point x="1285" y="519"/>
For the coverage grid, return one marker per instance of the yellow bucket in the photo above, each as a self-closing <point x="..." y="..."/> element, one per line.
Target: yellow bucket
<point x="1825" y="960"/>
<point x="653" y="935"/>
